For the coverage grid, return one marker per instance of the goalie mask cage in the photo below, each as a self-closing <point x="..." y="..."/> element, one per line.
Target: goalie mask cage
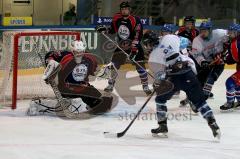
<point x="21" y="66"/>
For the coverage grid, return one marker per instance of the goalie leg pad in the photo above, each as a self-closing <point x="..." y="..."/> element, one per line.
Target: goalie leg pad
<point x="42" y="107"/>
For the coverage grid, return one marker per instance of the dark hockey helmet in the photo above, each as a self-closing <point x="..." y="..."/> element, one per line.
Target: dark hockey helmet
<point x="125" y="5"/>
<point x="207" y="25"/>
<point x="150" y="39"/>
<point x="189" y="19"/>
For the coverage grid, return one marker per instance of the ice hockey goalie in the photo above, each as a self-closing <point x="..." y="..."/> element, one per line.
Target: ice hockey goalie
<point x="70" y="70"/>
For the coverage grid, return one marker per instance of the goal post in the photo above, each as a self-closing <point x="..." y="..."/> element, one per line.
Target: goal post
<point x="19" y="54"/>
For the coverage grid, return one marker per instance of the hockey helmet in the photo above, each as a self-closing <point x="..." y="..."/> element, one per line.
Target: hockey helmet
<point x="189" y="19"/>
<point x="234" y="27"/>
<point x="125" y="5"/>
<point x="168" y="28"/>
<point x="79" y="46"/>
<point x="207" y="25"/>
<point x="150" y="39"/>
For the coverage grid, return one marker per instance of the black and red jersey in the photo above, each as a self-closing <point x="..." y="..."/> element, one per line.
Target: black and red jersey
<point x="72" y="72"/>
<point x="190" y="34"/>
<point x="127" y="29"/>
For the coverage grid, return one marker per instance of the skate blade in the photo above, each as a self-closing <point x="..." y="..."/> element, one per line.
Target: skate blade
<point x="217" y="138"/>
<point x="108" y="91"/>
<point x="183" y="105"/>
<point x="148" y="94"/>
<point x="176" y="96"/>
<point x="160" y="135"/>
<point x="227" y="110"/>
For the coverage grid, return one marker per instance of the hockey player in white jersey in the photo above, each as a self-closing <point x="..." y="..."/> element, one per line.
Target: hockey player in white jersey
<point x="207" y="48"/>
<point x="167" y="63"/>
<point x="168" y="29"/>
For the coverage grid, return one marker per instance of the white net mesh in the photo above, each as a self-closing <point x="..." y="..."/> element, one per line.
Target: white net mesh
<point x="30" y="68"/>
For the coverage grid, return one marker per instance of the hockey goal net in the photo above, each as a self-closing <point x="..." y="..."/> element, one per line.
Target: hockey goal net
<point x="21" y="66"/>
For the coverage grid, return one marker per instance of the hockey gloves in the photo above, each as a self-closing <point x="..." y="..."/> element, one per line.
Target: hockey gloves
<point x="101" y="28"/>
<point x="218" y="59"/>
<point x="134" y="50"/>
<point x="205" y="64"/>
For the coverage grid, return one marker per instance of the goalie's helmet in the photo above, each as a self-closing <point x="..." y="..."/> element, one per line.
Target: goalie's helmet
<point x="79" y="46"/>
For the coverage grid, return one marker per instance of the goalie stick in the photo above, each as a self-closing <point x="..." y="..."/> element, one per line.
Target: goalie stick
<point x="115" y="43"/>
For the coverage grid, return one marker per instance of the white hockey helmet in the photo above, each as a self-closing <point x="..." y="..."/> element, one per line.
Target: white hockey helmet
<point x="79" y="46"/>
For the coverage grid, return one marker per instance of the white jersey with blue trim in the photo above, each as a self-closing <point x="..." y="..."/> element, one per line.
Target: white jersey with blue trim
<point x="205" y="50"/>
<point x="168" y="53"/>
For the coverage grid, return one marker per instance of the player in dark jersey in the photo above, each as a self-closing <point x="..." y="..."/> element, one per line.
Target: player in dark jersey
<point x="129" y="32"/>
<point x="188" y="30"/>
<point x="71" y="70"/>
<point x="76" y="66"/>
<point x="85" y="65"/>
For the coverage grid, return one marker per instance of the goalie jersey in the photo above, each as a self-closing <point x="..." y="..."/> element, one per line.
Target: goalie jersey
<point x="72" y="72"/>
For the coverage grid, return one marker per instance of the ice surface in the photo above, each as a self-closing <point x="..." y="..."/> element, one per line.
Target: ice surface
<point x="42" y="137"/>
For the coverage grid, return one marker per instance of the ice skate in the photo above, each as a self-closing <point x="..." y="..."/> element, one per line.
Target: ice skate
<point x="161" y="131"/>
<point x="227" y="106"/>
<point x="214" y="127"/>
<point x="110" y="86"/>
<point x="230" y="106"/>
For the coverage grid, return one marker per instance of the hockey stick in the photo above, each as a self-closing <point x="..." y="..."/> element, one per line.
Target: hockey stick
<point x="121" y="134"/>
<point x="115" y="43"/>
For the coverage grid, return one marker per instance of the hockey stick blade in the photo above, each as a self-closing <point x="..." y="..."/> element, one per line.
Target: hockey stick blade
<point x="121" y="134"/>
<point x="113" y="135"/>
